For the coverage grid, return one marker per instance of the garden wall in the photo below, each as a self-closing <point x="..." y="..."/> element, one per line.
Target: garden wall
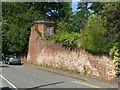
<point x="48" y="53"/>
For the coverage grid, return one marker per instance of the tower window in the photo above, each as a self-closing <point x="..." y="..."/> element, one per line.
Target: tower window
<point x="48" y="31"/>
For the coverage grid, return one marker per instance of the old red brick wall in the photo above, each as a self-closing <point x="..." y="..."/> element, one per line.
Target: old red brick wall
<point x="34" y="44"/>
<point x="51" y="54"/>
<point x="35" y="41"/>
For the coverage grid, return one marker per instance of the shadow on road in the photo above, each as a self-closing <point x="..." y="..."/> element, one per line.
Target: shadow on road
<point x="44" y="86"/>
<point x="4" y="66"/>
<point x="17" y="64"/>
<point x="6" y="88"/>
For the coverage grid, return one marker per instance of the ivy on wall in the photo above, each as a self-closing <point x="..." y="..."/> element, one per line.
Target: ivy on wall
<point x="37" y="30"/>
<point x="117" y="62"/>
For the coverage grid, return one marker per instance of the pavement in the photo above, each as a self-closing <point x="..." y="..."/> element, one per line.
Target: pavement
<point x="89" y="80"/>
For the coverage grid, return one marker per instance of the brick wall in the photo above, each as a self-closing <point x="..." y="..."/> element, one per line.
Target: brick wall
<point x="34" y="44"/>
<point x="54" y="55"/>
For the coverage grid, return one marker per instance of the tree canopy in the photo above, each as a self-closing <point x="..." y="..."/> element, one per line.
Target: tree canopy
<point x="17" y="17"/>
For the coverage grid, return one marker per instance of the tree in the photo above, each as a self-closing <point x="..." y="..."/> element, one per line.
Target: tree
<point x="112" y="13"/>
<point x="93" y="36"/>
<point x="76" y="22"/>
<point x="79" y="18"/>
<point x="97" y="7"/>
<point x="53" y="10"/>
<point x="83" y="9"/>
<point x="17" y="17"/>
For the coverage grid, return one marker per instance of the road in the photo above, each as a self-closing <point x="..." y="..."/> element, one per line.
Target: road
<point x="28" y="78"/>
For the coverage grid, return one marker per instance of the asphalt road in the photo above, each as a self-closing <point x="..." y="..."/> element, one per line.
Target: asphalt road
<point x="28" y="78"/>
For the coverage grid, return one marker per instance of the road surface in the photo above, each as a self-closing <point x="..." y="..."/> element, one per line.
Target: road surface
<point x="28" y="78"/>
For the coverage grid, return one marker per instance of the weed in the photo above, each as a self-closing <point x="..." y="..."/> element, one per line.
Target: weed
<point x="85" y="70"/>
<point x="75" y="70"/>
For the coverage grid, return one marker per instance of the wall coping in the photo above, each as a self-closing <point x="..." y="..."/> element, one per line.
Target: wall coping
<point x="42" y="22"/>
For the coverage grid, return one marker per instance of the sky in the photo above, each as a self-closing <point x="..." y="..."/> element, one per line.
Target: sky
<point x="74" y="5"/>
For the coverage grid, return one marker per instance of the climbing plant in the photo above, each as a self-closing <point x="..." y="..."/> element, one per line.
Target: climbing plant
<point x="37" y="30"/>
<point x="117" y="62"/>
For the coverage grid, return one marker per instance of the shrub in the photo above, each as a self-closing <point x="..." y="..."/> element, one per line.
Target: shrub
<point x="64" y="35"/>
<point x="67" y="39"/>
<point x="93" y="38"/>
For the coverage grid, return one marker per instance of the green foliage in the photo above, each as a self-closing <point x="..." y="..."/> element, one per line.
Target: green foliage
<point x="76" y="22"/>
<point x="111" y="6"/>
<point x="65" y="35"/>
<point x="93" y="38"/>
<point x="97" y="7"/>
<point x="117" y="62"/>
<point x="63" y="26"/>
<point x="67" y="39"/>
<point x="17" y="17"/>
<point x="83" y="8"/>
<point x="79" y="18"/>
<point x="112" y="13"/>
<point x="85" y="70"/>
<point x="37" y="30"/>
<point x="53" y="11"/>
<point x="14" y="28"/>
<point x="75" y="70"/>
<point x="16" y="38"/>
<point x="50" y="37"/>
<point x="112" y="51"/>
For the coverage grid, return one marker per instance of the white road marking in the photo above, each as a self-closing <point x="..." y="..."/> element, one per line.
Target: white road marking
<point x="84" y="84"/>
<point x="8" y="82"/>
